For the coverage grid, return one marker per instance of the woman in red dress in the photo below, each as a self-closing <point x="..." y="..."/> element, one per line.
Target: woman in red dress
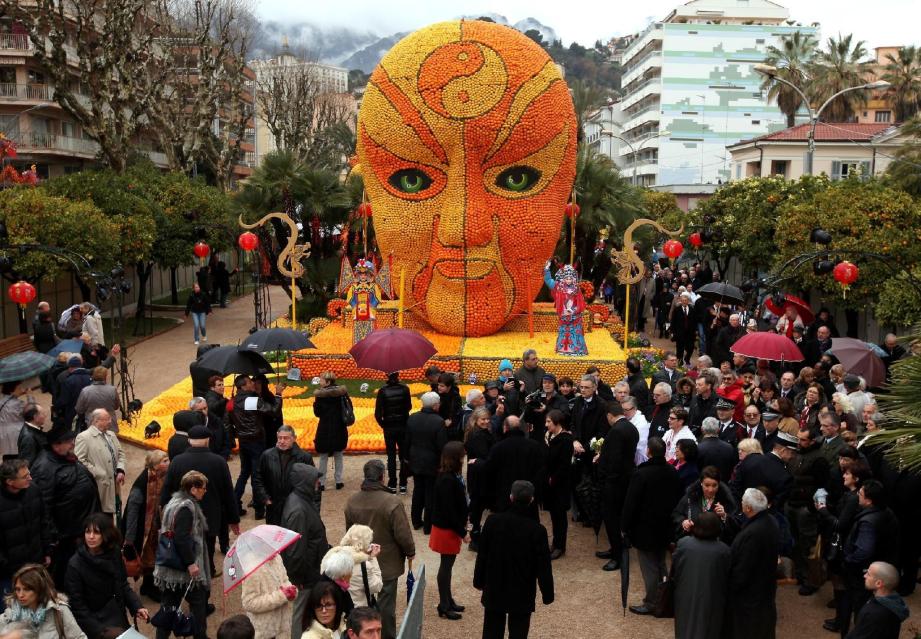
<point x="449" y="523"/>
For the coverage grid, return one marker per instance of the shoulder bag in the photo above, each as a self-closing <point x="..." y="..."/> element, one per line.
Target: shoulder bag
<point x="372" y="600"/>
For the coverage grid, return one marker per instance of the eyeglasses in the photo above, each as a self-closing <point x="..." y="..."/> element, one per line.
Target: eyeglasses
<point x="671" y="417"/>
<point x="586" y="387"/>
<point x="325" y="607"/>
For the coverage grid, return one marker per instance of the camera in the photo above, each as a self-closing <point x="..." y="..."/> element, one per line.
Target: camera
<point x="535" y="399"/>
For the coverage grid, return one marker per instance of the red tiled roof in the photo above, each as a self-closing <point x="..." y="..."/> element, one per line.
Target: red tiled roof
<point x="826" y="132"/>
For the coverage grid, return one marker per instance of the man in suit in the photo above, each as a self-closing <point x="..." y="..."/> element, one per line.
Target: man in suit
<point x="615" y="464"/>
<point x="787" y="382"/>
<point x="684" y="328"/>
<point x="514" y="458"/>
<point x="668" y="373"/>
<point x="513" y="560"/>
<point x="729" y="427"/>
<point x="713" y="451"/>
<point x="751" y="426"/>
<point x="639" y="389"/>
<point x="658" y="410"/>
<point x="769" y="469"/>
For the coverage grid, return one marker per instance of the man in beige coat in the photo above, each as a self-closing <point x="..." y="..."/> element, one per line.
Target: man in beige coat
<point x="384" y="513"/>
<point x="100" y="451"/>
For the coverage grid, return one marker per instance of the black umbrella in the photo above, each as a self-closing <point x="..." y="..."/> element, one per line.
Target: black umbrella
<point x="588" y="498"/>
<point x="230" y="359"/>
<point x="721" y="292"/>
<point x="276" y="339"/>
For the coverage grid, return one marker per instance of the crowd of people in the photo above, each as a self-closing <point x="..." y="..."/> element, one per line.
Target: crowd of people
<point x="723" y="476"/>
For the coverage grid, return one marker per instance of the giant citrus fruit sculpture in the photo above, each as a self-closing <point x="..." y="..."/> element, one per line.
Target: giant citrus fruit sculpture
<point x="467" y="143"/>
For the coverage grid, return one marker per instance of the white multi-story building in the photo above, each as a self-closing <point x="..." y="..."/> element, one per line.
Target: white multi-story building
<point x="329" y="79"/>
<point x="690" y="89"/>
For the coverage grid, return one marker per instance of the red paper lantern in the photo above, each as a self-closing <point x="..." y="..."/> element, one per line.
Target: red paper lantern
<point x="846" y="273"/>
<point x="673" y="249"/>
<point x="21" y="292"/>
<point x="364" y="209"/>
<point x="201" y="249"/>
<point x="572" y="210"/>
<point x="696" y="240"/>
<point x="247" y="241"/>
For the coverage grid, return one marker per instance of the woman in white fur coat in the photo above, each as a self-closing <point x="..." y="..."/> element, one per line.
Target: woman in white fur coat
<point x="358" y="540"/>
<point x="267" y="597"/>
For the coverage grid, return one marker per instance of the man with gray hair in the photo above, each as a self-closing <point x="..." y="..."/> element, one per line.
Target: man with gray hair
<point x="18" y="630"/>
<point x="99" y="450"/>
<point x="751" y="605"/>
<point x="683" y="325"/>
<point x="219" y="443"/>
<point x="530" y="372"/>
<point x="475" y="398"/>
<point x="425" y="436"/>
<point x="374" y="506"/>
<point x="713" y="451"/>
<point x="272" y="477"/>
<point x="658" y="410"/>
<point x="882" y="616"/>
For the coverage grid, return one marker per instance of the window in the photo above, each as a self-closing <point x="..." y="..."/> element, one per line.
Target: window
<point x="738" y="171"/>
<point x="756" y="121"/>
<point x="840" y="169"/>
<point x="883" y="116"/>
<point x="759" y="41"/>
<point x="8" y="75"/>
<point x="36" y="77"/>
<point x="779" y="167"/>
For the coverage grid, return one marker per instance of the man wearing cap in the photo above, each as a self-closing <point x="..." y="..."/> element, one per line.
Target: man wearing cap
<point x="183" y="421"/>
<point x="770" y="421"/>
<point x="69" y="494"/>
<point x="99" y="450"/>
<point x="219" y="503"/>
<point x="729" y="428"/>
<point x="769" y="469"/>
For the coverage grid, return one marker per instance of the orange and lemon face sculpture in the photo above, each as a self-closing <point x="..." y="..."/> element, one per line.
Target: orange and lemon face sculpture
<point x="467" y="144"/>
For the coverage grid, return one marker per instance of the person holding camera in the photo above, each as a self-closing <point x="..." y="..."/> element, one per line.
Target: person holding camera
<point x="541" y="402"/>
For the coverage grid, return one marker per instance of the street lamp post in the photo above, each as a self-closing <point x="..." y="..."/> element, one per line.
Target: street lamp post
<point x="638" y="147"/>
<point x="771" y="72"/>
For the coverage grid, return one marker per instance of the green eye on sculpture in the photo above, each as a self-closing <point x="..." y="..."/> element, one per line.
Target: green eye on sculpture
<point x="518" y="178"/>
<point x="410" y="181"/>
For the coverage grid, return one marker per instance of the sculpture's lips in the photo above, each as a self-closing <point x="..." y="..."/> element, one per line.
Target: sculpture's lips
<point x="471" y="269"/>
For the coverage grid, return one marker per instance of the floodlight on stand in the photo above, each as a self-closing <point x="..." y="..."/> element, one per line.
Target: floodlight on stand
<point x="820" y="236"/>
<point x="103" y="293"/>
<point x="822" y="267"/>
<point x="118" y="271"/>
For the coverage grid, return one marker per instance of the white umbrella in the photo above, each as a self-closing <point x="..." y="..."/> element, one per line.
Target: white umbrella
<point x="252" y="549"/>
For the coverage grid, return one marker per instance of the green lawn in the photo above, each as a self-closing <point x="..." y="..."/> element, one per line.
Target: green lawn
<point x="159" y="324"/>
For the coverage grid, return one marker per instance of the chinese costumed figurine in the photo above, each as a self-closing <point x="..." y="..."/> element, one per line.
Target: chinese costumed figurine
<point x="363" y="292"/>
<point x="569" y="303"/>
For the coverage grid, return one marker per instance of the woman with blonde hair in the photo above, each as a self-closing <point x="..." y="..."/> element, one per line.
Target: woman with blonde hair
<point x="141" y="521"/>
<point x="366" y="582"/>
<point x="266" y="599"/>
<point x="844" y="411"/>
<point x="36" y="604"/>
<point x="478" y="440"/>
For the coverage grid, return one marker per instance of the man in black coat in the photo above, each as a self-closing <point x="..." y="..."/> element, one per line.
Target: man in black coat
<point x="302" y="558"/>
<point x="513" y="559"/>
<point x="646" y="522"/>
<point x="391" y="411"/>
<point x="810" y="472"/>
<point x="272" y="479"/>
<point x="218" y="504"/>
<point x="183" y="422"/>
<point x="729" y="427"/>
<point x="25" y="534"/>
<point x="882" y="616"/>
<point x="751" y="607"/>
<point x="615" y="464"/>
<point x="425" y="435"/>
<point x="684" y="328"/>
<point x="515" y="457"/>
<point x="588" y="419"/>
<point x="32" y="439"/>
<point x="70" y="383"/>
<point x="69" y="495"/>
<point x="668" y="373"/>
<point x="704" y="403"/>
<point x="713" y="451"/>
<point x="769" y="469"/>
<point x="639" y="389"/>
<point x="726" y="337"/>
<point x="659" y="409"/>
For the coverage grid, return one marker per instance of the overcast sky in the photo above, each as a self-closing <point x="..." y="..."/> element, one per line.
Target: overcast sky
<point x="879" y="23"/>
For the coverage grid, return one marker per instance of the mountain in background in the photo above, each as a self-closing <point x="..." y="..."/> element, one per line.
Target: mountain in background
<point x="351" y="48"/>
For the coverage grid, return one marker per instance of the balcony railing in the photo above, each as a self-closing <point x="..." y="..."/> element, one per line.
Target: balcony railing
<point x="15" y="42"/>
<point x="37" y="92"/>
<point x="36" y="141"/>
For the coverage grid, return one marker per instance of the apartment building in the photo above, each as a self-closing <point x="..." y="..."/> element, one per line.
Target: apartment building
<point x="690" y="90"/>
<point x="46" y="135"/>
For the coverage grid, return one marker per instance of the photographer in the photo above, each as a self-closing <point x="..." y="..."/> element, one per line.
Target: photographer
<point x="540" y="402"/>
<point x="510" y="389"/>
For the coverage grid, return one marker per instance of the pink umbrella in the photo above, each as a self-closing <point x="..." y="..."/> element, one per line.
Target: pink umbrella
<point x="252" y="549"/>
<point x="769" y="346"/>
<point x="392" y="349"/>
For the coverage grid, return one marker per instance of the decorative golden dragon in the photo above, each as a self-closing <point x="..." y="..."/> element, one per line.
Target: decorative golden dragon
<point x="630" y="264"/>
<point x="293" y="252"/>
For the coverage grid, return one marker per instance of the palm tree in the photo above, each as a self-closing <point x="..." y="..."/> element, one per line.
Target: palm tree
<point x="901" y="430"/>
<point x="586" y="98"/>
<point x="791" y="59"/>
<point x="903" y="72"/>
<point x="842" y="65"/>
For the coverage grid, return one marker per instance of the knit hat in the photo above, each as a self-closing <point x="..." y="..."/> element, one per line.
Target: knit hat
<point x="75" y="362"/>
<point x="505" y="364"/>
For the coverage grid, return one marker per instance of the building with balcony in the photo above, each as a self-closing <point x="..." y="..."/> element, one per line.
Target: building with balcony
<point x="879" y="107"/>
<point x="690" y="89"/>
<point x="46" y="135"/>
<point x="328" y="80"/>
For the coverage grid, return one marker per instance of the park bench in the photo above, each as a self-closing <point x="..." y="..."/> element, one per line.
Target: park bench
<point x="17" y="344"/>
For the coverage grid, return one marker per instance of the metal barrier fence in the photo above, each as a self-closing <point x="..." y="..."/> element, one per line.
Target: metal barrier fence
<point x="411" y="626"/>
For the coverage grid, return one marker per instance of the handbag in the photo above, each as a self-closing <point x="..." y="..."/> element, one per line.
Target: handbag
<point x="167" y="554"/>
<point x="348" y="412"/>
<point x="833" y="554"/>
<point x="171" y="618"/>
<point x="372" y="600"/>
<point x="132" y="561"/>
<point x="665" y="599"/>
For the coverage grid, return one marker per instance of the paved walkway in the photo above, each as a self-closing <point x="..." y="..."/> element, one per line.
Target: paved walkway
<point x="587" y="599"/>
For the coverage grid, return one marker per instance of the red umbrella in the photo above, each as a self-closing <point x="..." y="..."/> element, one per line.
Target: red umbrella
<point x="801" y="306"/>
<point x="770" y="346"/>
<point x="392" y="349"/>
<point x="859" y="359"/>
